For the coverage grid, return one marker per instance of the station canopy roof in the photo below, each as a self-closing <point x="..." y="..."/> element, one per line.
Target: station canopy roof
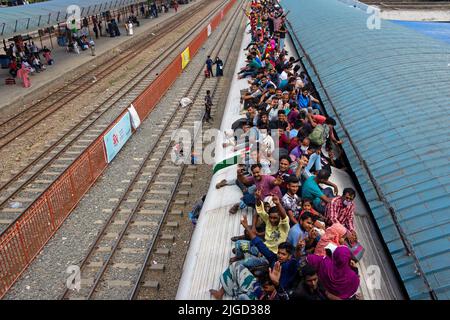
<point x="389" y="91"/>
<point x="31" y="17"/>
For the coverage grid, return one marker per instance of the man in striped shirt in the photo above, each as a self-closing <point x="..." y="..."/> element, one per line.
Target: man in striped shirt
<point x="342" y="209"/>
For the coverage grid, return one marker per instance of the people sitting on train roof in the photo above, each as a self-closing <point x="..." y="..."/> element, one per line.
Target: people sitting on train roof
<point x="240" y="283"/>
<point x="337" y="272"/>
<point x="280" y="106"/>
<point x="305" y="100"/>
<point x="267" y="184"/>
<point x="341" y="209"/>
<point x="283" y="253"/>
<point x="320" y="197"/>
<point x="303" y="230"/>
<point x="276" y="229"/>
<point x="336" y="235"/>
<point x="310" y="288"/>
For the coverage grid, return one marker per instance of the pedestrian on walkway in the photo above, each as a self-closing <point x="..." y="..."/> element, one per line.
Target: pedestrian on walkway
<point x="92" y="46"/>
<point x="209" y="64"/>
<point x="23" y="75"/>
<point x="95" y="29"/>
<point x="208" y="105"/>
<point x="219" y="67"/>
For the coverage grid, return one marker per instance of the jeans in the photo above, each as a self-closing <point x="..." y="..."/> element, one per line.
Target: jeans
<point x="281" y="44"/>
<point x="318" y="205"/>
<point x="246" y="73"/>
<point x="249" y="254"/>
<point x="314" y="160"/>
<point x="248" y="199"/>
<point x="316" y="106"/>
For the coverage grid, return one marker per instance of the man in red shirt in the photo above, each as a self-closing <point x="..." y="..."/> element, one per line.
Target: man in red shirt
<point x="342" y="209"/>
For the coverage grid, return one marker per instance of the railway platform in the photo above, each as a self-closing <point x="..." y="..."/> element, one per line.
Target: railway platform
<point x="69" y="65"/>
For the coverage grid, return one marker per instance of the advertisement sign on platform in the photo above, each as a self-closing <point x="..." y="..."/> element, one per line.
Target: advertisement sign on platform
<point x="185" y="58"/>
<point x="117" y="136"/>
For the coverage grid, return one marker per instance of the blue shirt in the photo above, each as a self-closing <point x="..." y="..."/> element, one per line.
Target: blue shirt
<point x="288" y="268"/>
<point x="303" y="102"/>
<point x="295" y="234"/>
<point x="312" y="191"/>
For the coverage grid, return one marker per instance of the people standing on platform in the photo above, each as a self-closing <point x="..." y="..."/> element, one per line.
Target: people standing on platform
<point x="13" y="69"/>
<point x="219" y="67"/>
<point x="209" y="64"/>
<point x="208" y="105"/>
<point x="95" y="29"/>
<point x="47" y="53"/>
<point x="92" y="46"/>
<point x="35" y="50"/>
<point x="129" y="27"/>
<point x="23" y="74"/>
<point x="154" y="10"/>
<point x="100" y="28"/>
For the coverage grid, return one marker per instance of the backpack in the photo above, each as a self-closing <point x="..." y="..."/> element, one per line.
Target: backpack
<point x="318" y="135"/>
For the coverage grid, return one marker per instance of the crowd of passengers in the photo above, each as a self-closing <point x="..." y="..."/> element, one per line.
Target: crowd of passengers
<point x="302" y="243"/>
<point x="25" y="58"/>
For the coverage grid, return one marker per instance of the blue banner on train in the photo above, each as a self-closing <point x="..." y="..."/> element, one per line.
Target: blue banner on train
<point x="117" y="137"/>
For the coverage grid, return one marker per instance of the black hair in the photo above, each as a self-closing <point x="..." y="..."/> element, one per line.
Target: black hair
<point x="330" y="121"/>
<point x="292" y="179"/>
<point x="309" y="271"/>
<point x="323" y="174"/>
<point x="273" y="210"/>
<point x="306" y="215"/>
<point x="280" y="112"/>
<point x="350" y="191"/>
<point x="286" y="246"/>
<point x="256" y="165"/>
<point x="285" y="158"/>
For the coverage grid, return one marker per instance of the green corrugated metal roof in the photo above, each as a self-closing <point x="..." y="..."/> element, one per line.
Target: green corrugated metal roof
<point x="389" y="89"/>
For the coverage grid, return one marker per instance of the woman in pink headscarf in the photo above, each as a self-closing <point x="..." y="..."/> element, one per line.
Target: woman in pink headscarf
<point x="336" y="273"/>
<point x="273" y="44"/>
<point x="22" y="73"/>
<point x="334" y="234"/>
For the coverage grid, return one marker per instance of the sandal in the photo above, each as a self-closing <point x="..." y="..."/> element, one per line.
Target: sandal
<point x="221" y="184"/>
<point x="234" y="209"/>
<point x="236" y="238"/>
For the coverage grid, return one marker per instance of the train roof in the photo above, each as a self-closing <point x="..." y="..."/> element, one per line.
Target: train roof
<point x="210" y="246"/>
<point x="389" y="91"/>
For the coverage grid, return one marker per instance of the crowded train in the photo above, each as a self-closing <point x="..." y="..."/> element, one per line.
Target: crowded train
<point x="297" y="237"/>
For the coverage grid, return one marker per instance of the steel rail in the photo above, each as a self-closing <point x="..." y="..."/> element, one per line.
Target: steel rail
<point x="163" y="56"/>
<point x="125" y="195"/>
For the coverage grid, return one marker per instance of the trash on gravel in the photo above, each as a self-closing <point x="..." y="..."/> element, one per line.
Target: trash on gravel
<point x="184" y="102"/>
<point x="15" y="205"/>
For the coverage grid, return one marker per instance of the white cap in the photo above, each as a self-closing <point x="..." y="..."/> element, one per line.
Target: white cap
<point x="269" y="200"/>
<point x="331" y="246"/>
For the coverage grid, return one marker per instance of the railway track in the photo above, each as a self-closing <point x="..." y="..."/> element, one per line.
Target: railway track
<point x="152" y="276"/>
<point x="29" y="183"/>
<point x="115" y="265"/>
